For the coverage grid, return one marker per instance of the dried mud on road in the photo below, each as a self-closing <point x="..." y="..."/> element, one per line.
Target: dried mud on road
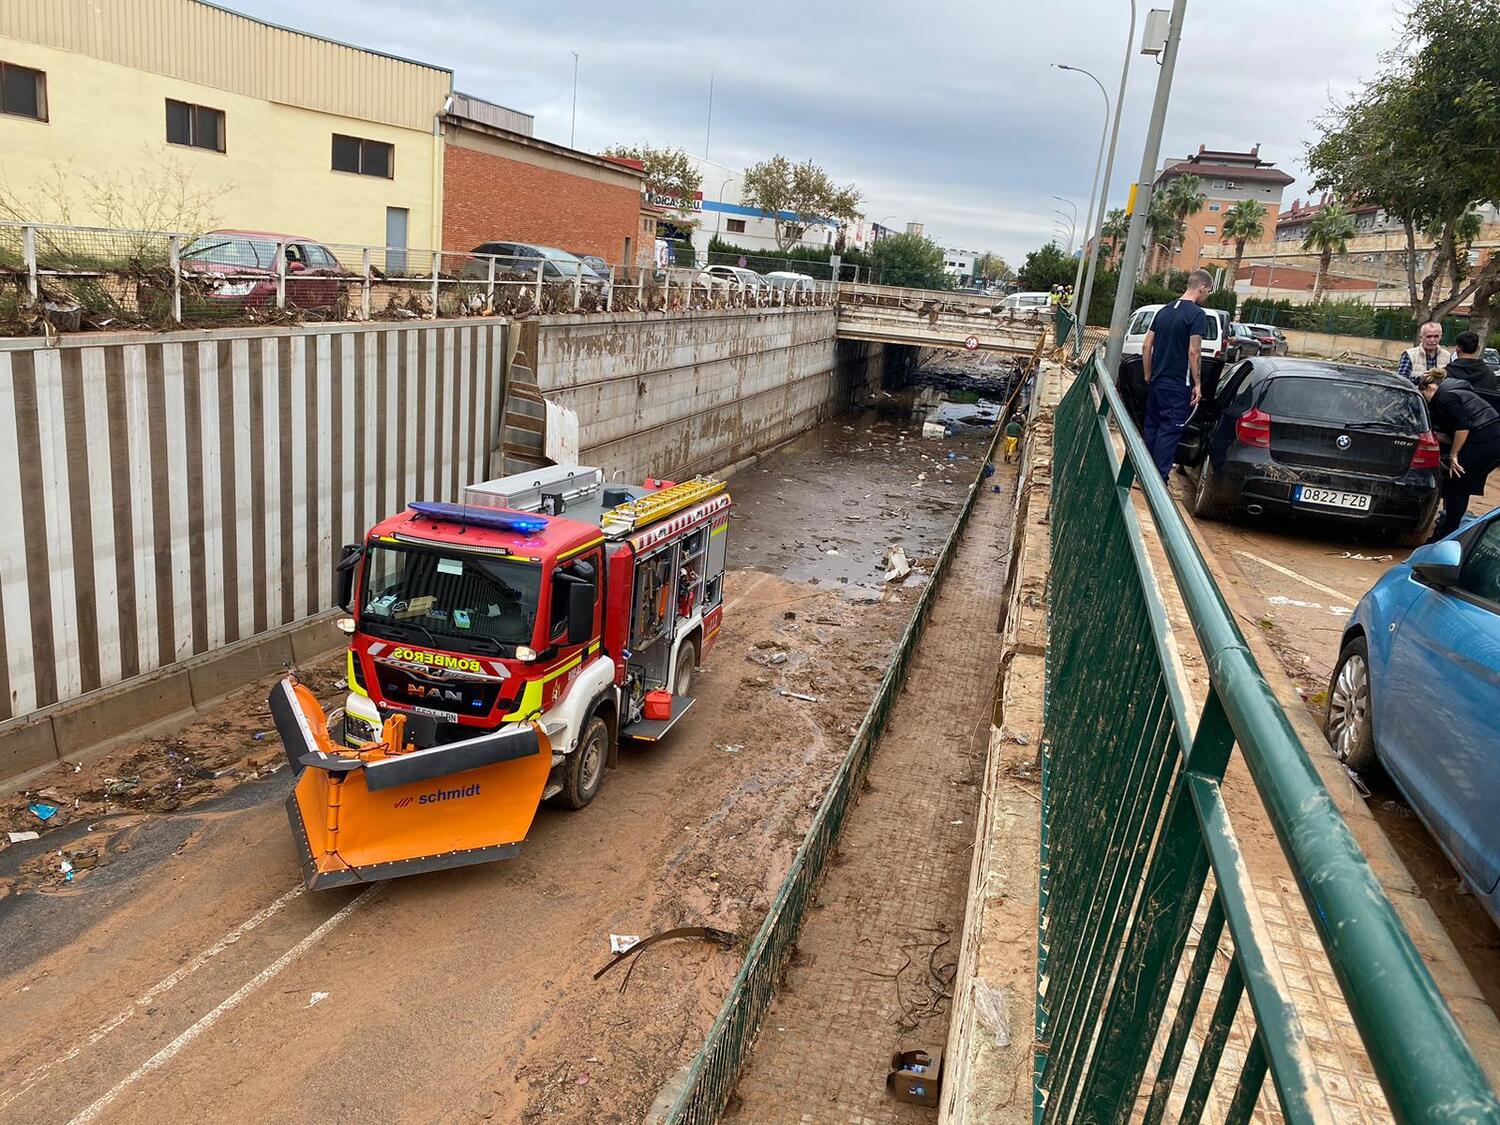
<point x="466" y="995"/>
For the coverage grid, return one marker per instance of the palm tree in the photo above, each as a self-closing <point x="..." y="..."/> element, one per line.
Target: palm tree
<point x="1328" y="233"/>
<point x="1186" y="198"/>
<point x="1244" y="222"/>
<point x="1161" y="224"/>
<point x="1115" y="229"/>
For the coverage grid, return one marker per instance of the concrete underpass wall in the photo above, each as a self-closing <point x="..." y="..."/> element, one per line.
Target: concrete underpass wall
<point x="690" y="392"/>
<point x="177" y="503"/>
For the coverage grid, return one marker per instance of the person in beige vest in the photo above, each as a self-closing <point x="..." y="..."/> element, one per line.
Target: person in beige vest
<point x="1427" y="355"/>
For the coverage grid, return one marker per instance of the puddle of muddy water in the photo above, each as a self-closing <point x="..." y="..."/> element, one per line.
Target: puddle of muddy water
<point x="825" y="508"/>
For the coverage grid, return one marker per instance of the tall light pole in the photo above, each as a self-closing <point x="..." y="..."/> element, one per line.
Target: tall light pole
<point x="573" y="128"/>
<point x="1072" y="224"/>
<point x="1125" y="291"/>
<point x="1088" y="223"/>
<point x="1109" y="167"/>
<point x="708" y="130"/>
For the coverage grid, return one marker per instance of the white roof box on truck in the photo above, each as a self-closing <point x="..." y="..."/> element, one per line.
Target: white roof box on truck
<point x="532" y="490"/>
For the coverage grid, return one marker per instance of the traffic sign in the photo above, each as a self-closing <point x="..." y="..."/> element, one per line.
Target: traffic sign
<point x="971" y="342"/>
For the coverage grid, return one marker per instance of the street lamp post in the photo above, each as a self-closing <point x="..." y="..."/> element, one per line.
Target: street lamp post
<point x="1072" y="227"/>
<point x="1125" y="292"/>
<point x="573" y="127"/>
<point x="1088" y="223"/>
<point x="1072" y="220"/>
<point x="1109" y="167"/>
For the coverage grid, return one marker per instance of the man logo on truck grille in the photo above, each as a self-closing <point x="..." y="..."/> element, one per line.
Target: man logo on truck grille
<point x="439" y="795"/>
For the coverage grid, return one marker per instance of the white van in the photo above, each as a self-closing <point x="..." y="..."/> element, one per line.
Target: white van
<point x="1027" y="302"/>
<point x="1215" y="332"/>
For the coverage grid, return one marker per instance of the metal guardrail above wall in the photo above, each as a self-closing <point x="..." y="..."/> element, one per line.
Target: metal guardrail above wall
<point x="72" y="278"/>
<point x="1133" y="823"/>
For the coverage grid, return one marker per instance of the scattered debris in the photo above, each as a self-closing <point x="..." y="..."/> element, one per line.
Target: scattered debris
<point x="706" y="933"/>
<point x="798" y="695"/>
<point x="934" y="430"/>
<point x="22" y="837"/>
<point x="896" y="564"/>
<point x="1365" y="558"/>
<point x="731" y="749"/>
<point x="623" y="943"/>
<point x="316" y="998"/>
<point x="67" y="870"/>
<point x="42" y="810"/>
<point x="990" y="1005"/>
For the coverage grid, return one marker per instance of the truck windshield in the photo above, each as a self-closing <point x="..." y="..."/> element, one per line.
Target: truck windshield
<point x="448" y="599"/>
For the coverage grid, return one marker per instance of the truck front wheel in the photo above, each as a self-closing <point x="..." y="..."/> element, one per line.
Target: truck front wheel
<point x="584" y="772"/>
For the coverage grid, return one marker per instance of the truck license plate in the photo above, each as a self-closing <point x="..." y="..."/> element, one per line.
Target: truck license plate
<point x="1332" y="498"/>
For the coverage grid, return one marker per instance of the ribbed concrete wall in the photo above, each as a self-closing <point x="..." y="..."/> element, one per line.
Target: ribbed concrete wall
<point x="681" y="393"/>
<point x="174" y="496"/>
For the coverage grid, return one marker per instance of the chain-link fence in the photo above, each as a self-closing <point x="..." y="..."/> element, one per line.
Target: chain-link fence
<point x="66" y="279"/>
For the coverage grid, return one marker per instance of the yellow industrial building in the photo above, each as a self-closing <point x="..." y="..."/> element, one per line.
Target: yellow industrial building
<point x="178" y="113"/>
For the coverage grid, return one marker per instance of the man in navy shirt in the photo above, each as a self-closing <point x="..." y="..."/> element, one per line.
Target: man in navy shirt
<point x="1170" y="364"/>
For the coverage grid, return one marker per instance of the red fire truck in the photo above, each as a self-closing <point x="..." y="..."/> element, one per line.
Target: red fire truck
<point x="516" y="639"/>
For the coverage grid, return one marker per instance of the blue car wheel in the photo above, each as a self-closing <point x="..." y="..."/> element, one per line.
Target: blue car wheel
<point x="1348" y="719"/>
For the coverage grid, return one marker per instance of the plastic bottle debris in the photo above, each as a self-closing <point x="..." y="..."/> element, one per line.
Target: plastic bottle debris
<point x="896" y="564"/>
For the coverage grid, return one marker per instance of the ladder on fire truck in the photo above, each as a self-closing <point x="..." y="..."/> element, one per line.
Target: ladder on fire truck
<point x="625" y="518"/>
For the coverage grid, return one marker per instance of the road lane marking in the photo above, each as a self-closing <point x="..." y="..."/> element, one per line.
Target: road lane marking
<point x="1306" y="581"/>
<point x="227" y="1005"/>
<point x="164" y="985"/>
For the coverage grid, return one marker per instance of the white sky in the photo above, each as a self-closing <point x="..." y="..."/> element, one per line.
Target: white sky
<point x="944" y="112"/>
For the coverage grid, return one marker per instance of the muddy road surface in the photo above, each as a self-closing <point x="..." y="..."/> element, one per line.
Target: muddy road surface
<point x="1298" y="582"/>
<point x="182" y="973"/>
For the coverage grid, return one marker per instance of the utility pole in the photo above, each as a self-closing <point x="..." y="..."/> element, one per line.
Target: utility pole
<point x="1082" y="302"/>
<point x="573" y="128"/>
<point x="1125" y="292"/>
<point x="708" y="130"/>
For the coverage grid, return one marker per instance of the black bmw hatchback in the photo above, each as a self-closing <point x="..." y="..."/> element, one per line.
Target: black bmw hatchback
<point x="1314" y="439"/>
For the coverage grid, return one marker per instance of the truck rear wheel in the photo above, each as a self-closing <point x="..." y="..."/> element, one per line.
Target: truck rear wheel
<point x="584" y="772"/>
<point x="682" y="676"/>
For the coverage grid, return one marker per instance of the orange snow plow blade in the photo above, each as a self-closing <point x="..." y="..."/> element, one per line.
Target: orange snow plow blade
<point x="394" y="807"/>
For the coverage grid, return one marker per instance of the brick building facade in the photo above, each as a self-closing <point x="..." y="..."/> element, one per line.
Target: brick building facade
<point x="503" y="186"/>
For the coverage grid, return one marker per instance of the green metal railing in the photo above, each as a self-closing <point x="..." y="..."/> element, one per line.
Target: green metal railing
<point x="715" y="1068"/>
<point x="1133" y="823"/>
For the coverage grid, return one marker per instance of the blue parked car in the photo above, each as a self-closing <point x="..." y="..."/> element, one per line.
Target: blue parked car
<point x="1417" y="685"/>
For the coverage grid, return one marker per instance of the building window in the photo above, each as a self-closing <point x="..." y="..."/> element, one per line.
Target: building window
<point x="1219" y="185"/>
<point x="1210" y="230"/>
<point x="1229" y="184"/>
<point x="23" y="91"/>
<point x="195" y="125"/>
<point x="735" y="226"/>
<point x="1213" y="206"/>
<point x="367" y="158"/>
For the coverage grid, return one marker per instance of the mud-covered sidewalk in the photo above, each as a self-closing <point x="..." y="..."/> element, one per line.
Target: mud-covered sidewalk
<point x="875" y="962"/>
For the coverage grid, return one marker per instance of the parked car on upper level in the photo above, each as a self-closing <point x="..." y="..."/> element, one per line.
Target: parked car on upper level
<point x="1417" y="687"/>
<point x="1271" y="339"/>
<point x="1491" y="358"/>
<point x="1314" y="439"/>
<point x="1027" y="302"/>
<point x="737" y="277"/>
<point x="1241" y="343"/>
<point x="790" y="281"/>
<point x="523" y="257"/>
<point x="595" y="263"/>
<point x="237" y="269"/>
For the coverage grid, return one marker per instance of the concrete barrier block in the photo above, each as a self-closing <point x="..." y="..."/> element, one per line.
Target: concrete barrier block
<point x="316" y="638"/>
<point x="236" y="667"/>
<point x="25" y="745"/>
<point x="102" y="716"/>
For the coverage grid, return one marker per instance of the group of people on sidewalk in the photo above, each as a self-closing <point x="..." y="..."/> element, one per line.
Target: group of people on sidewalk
<point x="1466" y="424"/>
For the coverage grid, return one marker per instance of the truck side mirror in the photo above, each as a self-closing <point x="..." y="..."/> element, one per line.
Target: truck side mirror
<point x="348" y="564"/>
<point x="580" y="612"/>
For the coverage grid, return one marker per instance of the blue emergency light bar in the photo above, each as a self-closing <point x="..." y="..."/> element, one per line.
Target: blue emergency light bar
<point x="480" y="517"/>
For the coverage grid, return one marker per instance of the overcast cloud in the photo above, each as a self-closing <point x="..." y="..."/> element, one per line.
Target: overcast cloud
<point x="943" y="112"/>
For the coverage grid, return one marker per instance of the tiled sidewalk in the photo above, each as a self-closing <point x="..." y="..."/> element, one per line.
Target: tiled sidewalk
<point x="874" y="965"/>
